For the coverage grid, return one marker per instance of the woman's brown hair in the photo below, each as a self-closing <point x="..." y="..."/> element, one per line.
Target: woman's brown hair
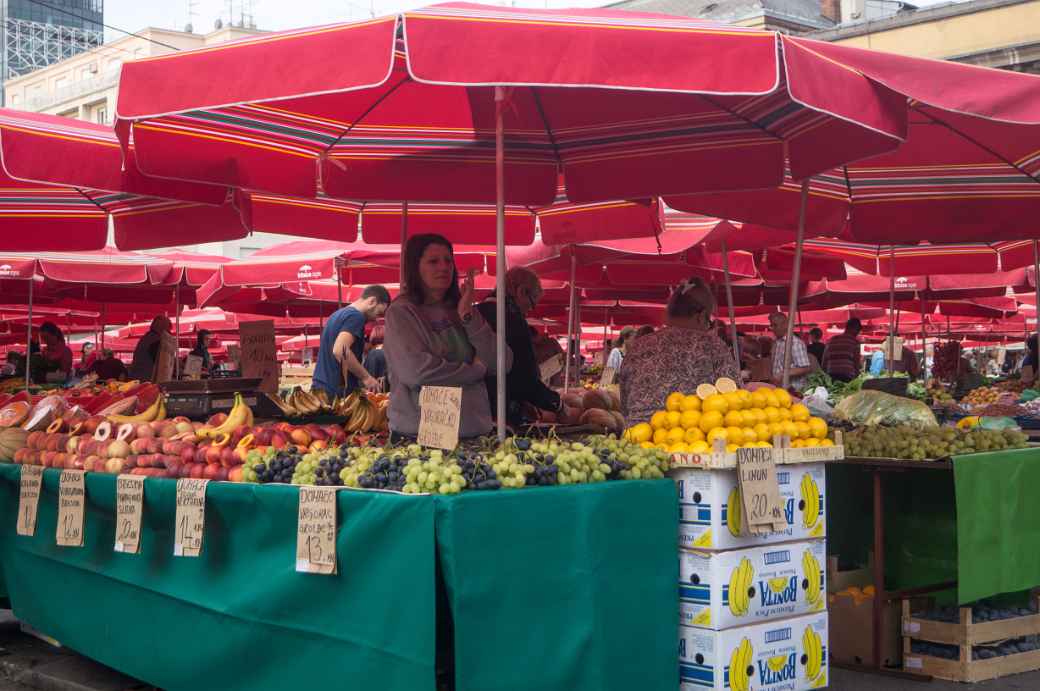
<point x="414" y="249"/>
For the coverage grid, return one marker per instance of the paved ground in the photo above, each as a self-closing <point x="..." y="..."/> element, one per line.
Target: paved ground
<point x="842" y="680"/>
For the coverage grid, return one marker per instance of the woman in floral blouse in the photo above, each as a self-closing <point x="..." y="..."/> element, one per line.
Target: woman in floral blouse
<point x="685" y="353"/>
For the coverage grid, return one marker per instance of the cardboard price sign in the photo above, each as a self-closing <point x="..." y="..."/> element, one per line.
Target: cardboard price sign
<point x="316" y="531"/>
<point x="129" y="507"/>
<point x="550" y="368"/>
<point x="259" y="356"/>
<point x="72" y="494"/>
<point x="190" y="518"/>
<point x="608" y="376"/>
<point x="166" y="359"/>
<point x="29" y="498"/>
<point x="440" y="408"/>
<point x="192" y="367"/>
<point x="759" y="491"/>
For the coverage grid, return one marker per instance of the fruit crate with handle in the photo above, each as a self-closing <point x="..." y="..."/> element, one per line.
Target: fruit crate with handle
<point x="977" y="649"/>
<point x="783" y="453"/>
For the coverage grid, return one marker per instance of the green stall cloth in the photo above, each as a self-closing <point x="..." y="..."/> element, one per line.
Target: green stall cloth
<point x="563" y="588"/>
<point x="998" y="522"/>
<point x="239" y="616"/>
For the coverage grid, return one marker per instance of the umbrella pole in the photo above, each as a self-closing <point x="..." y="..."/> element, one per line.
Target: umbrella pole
<point x="729" y="305"/>
<point x="177" y="330"/>
<point x="404" y="240"/>
<point x="1036" y="282"/>
<point x="891" y="307"/>
<point x="102" y="326"/>
<point x="339" y="287"/>
<point x="28" y="333"/>
<point x="500" y="262"/>
<point x="606" y="320"/>
<point x="796" y="277"/>
<point x="924" y="346"/>
<point x="570" y="327"/>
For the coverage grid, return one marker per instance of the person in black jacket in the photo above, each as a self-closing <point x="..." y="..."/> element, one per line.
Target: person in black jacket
<point x="524" y="381"/>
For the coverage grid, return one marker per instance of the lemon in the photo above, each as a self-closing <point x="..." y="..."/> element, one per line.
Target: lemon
<point x="689" y="419"/>
<point x="762" y="431"/>
<point x="812" y="441"/>
<point x="717" y="433"/>
<point x="772" y="413"/>
<point x="735" y="435"/>
<point x="785" y="415"/>
<point x="674" y="401"/>
<point x="733" y="419"/>
<point x="803" y="429"/>
<point x="759" y="415"/>
<point x="747" y="418"/>
<point x="663" y="447"/>
<point x="799" y="413"/>
<point x="690" y="402"/>
<point x="750" y="435"/>
<point x="765" y="444"/>
<point x="678" y="447"/>
<point x="706" y="391"/>
<point x="797" y="444"/>
<point x="732" y="448"/>
<point x="826" y="442"/>
<point x="676" y="435"/>
<point x="710" y="420"/>
<point x="693" y="435"/>
<point x="646" y="445"/>
<point x="641" y="433"/>
<point x="716" y="402"/>
<point x="699" y="447"/>
<point x="758" y="399"/>
<point x="733" y="400"/>
<point x="771" y="398"/>
<point x="790" y="429"/>
<point x="776" y="428"/>
<point x="783" y="397"/>
<point x="659" y="420"/>
<point x="745" y="396"/>
<point x="818" y="427"/>
<point x="660" y="435"/>
<point x="674" y="416"/>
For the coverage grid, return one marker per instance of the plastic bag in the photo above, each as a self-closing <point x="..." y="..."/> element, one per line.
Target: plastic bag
<point x="866" y="408"/>
<point x="998" y="423"/>
<point x="817" y="401"/>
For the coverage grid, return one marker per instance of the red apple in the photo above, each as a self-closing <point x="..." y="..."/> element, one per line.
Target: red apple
<point x="200" y="453"/>
<point x="283" y="427"/>
<point x="144" y="431"/>
<point x="172" y="448"/>
<point x="217" y="420"/>
<point x="227" y="456"/>
<point x="262" y="436"/>
<point x="187" y="453"/>
<point x="213" y="454"/>
<point x="210" y="471"/>
<point x="167" y="430"/>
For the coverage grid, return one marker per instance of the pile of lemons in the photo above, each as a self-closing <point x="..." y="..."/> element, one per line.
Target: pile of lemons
<point x="690" y="423"/>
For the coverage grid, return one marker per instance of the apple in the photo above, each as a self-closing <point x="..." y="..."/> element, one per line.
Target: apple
<point x="166" y="461"/>
<point x="118" y="449"/>
<point x="90" y="425"/>
<point x="217" y="420"/>
<point x="188" y="453"/>
<point x="235" y="474"/>
<point x="185" y="470"/>
<point x="279" y="440"/>
<point x="263" y="436"/>
<point x="337" y="435"/>
<point x="213" y="454"/>
<point x="210" y="471"/>
<point x="144" y="430"/>
<point x="316" y="431"/>
<point x="227" y="457"/>
<point x="179" y="419"/>
<point x="140" y="445"/>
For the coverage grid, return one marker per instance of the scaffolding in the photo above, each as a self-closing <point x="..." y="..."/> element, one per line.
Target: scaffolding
<point x="28" y="45"/>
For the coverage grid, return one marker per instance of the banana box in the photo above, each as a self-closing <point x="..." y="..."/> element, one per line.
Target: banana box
<point x="721" y="590"/>
<point x="710" y="515"/>
<point x="781" y="655"/>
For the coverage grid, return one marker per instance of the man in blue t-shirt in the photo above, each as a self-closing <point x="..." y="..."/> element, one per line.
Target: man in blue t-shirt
<point x="343" y="343"/>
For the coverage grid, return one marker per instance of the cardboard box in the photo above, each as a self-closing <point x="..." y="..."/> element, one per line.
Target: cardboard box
<point x="852" y="631"/>
<point x="705" y="496"/>
<point x="722" y="590"/>
<point x="767" y="657"/>
<point x="840" y="580"/>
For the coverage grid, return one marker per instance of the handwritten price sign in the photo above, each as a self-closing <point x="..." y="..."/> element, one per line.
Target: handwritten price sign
<point x="29" y="499"/>
<point x="72" y="494"/>
<point x="129" y="506"/>
<point x="316" y="531"/>
<point x="440" y="409"/>
<point x="756" y="475"/>
<point x="190" y="518"/>
<point x="259" y="356"/>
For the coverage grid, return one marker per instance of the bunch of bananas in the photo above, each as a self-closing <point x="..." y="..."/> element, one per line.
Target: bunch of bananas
<point x="734" y="512"/>
<point x="741" y="588"/>
<point x="241" y="414"/>
<point x="813" y="658"/>
<point x="811" y="568"/>
<point x="364" y="415"/>
<point x="740" y="667"/>
<point x="811" y="503"/>
<point x="156" y="411"/>
<point x="300" y="403"/>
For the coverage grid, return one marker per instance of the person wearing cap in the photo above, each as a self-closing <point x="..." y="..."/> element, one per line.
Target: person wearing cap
<point x="201" y="350"/>
<point x="685" y="353"/>
<point x="146" y="353"/>
<point x="617" y="355"/>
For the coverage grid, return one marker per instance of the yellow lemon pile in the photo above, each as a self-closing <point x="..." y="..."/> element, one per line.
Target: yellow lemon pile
<point x="690" y="423"/>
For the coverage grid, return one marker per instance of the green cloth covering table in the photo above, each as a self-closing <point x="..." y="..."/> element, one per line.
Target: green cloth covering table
<point x="550" y="588"/>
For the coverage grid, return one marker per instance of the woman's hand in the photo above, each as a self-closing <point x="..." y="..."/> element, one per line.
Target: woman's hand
<point x="466" y="301"/>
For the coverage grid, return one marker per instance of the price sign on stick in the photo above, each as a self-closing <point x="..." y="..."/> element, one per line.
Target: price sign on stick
<point x="129" y="506"/>
<point x="608" y="376"/>
<point x="440" y="408"/>
<point x="190" y="518"/>
<point x="316" y="531"/>
<point x="29" y="499"/>
<point x="759" y="491"/>
<point x="192" y="367"/>
<point x="550" y="368"/>
<point x="72" y="492"/>
<point x="259" y="356"/>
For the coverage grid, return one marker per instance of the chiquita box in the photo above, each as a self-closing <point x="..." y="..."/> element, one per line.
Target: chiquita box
<point x="722" y="590"/>
<point x="781" y="655"/>
<point x="710" y="511"/>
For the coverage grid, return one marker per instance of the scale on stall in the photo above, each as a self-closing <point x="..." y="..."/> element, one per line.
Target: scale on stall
<point x="202" y="398"/>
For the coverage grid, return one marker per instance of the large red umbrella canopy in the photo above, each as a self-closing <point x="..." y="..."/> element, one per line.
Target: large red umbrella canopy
<point x="627" y="105"/>
<point x="919" y="259"/>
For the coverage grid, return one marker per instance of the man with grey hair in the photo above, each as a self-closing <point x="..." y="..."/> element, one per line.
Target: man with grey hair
<point x="524" y="382"/>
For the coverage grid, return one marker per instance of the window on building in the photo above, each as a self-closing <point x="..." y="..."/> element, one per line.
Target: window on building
<point x="244" y="251"/>
<point x="16" y="99"/>
<point x="101" y="115"/>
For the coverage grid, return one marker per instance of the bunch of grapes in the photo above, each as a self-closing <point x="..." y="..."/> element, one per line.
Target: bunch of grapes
<point x="477" y="472"/>
<point x="255" y="463"/>
<point x="385" y="473"/>
<point x="431" y="472"/>
<point x="357" y="461"/>
<point x="329" y="469"/>
<point x="511" y="466"/>
<point x="280" y="468"/>
<point x="913" y="443"/>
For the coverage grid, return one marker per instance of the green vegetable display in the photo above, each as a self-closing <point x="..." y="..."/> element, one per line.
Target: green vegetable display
<point x="866" y="408"/>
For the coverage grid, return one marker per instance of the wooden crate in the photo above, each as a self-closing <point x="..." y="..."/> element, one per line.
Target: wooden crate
<point x="296" y="376"/>
<point x="719" y="459"/>
<point x="965" y="634"/>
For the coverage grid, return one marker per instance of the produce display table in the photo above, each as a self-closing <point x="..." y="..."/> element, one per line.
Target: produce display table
<point x="973" y="529"/>
<point x="558" y="587"/>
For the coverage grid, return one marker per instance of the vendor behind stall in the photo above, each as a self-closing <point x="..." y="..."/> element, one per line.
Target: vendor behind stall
<point x="56" y="362"/>
<point x="147" y="350"/>
<point x="201" y="350"/>
<point x="108" y="366"/>
<point x="678" y="357"/>
<point x="338" y="370"/>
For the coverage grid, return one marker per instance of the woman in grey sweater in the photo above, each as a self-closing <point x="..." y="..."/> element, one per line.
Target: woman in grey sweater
<point x="434" y="337"/>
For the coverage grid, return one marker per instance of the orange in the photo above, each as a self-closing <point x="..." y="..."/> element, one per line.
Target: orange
<point x="674" y="401"/>
<point x="659" y="420"/>
<point x="710" y="420"/>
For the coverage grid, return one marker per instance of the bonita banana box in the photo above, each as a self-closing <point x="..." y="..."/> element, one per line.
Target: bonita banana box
<point x="710" y="516"/>
<point x="721" y="590"/>
<point x="782" y="655"/>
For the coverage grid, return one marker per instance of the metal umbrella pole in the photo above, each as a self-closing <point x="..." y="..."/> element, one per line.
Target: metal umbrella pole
<point x="28" y="332"/>
<point x="889" y="364"/>
<point x="339" y="284"/>
<point x="570" y="325"/>
<point x="796" y="277"/>
<point x="404" y="240"/>
<point x="500" y="262"/>
<point x="1036" y="285"/>
<point x="177" y="331"/>
<point x="729" y="305"/>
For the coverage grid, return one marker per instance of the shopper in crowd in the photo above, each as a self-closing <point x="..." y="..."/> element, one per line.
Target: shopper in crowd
<point x="678" y="357"/>
<point x="524" y="381"/>
<point x="201" y="350"/>
<point x="644" y="331"/>
<point x="435" y="337"/>
<point x="375" y="358"/>
<point x="88" y="358"/>
<point x="338" y="370"/>
<point x="146" y="353"/>
<point x="108" y="366"/>
<point x="816" y="345"/>
<point x="841" y="358"/>
<point x="800" y="364"/>
<point x="1029" y="362"/>
<point x="56" y="363"/>
<point x="617" y="355"/>
<point x="877" y="362"/>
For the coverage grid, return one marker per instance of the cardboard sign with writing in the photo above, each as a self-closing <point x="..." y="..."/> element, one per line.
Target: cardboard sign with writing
<point x="166" y="359"/>
<point x="550" y="368"/>
<point x="29" y="498"/>
<point x="72" y="494"/>
<point x="192" y="367"/>
<point x="440" y="408"/>
<point x="316" y="531"/>
<point x="895" y="344"/>
<point x="259" y="356"/>
<point x="190" y="518"/>
<point x="129" y="507"/>
<point x="608" y="376"/>
<point x="756" y="477"/>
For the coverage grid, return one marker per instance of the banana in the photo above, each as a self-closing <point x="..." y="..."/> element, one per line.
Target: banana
<point x="704" y="539"/>
<point x="813" y="653"/>
<point x="811" y="567"/>
<point x="739" y="661"/>
<point x="811" y="501"/>
<point x="735" y="590"/>
<point x="312" y="402"/>
<point x="148" y="415"/>
<point x="733" y="512"/>
<point x="323" y="399"/>
<point x="281" y="404"/>
<point x="239" y="415"/>
<point x="739" y="588"/>
<point x="357" y="418"/>
<point x="162" y="409"/>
